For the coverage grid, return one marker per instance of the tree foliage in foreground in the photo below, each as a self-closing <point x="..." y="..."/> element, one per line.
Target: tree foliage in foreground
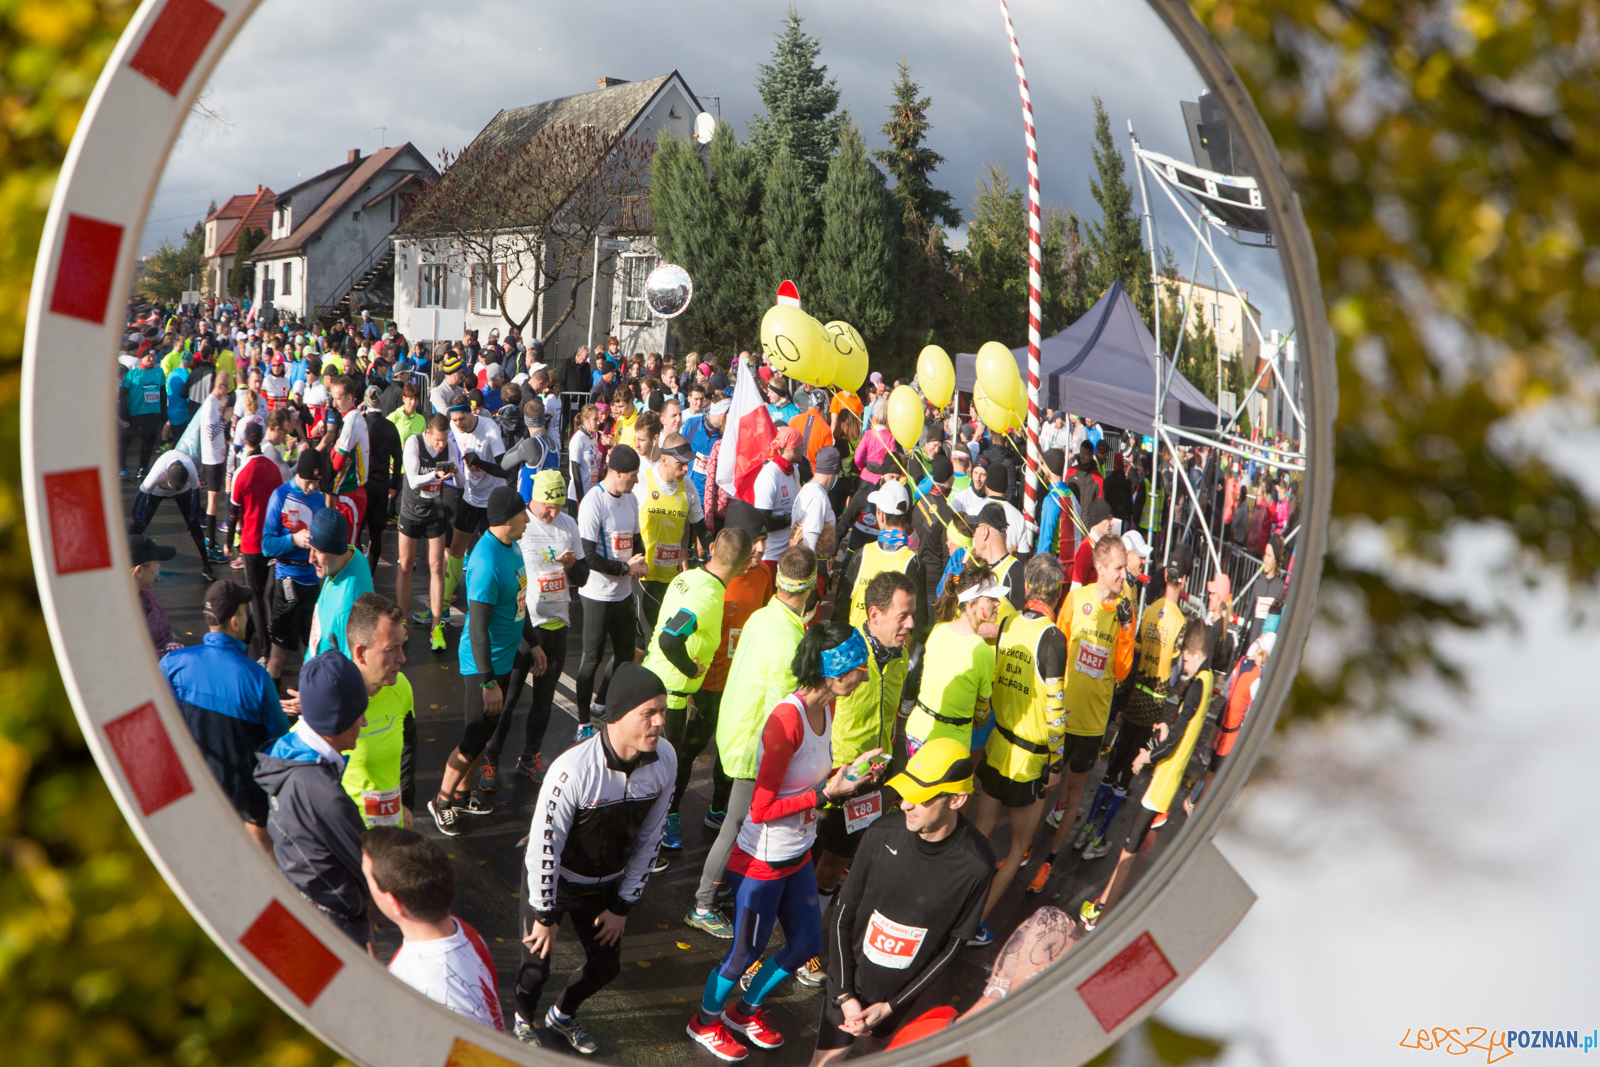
<point x="1445" y="156"/>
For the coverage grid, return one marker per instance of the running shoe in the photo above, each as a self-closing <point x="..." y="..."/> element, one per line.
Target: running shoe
<point x="576" y="1034"/>
<point x="1026" y="856"/>
<point x="1081" y="838"/>
<point x="487" y="778"/>
<point x="671" y="837"/>
<point x="749" y="974"/>
<point x="659" y="864"/>
<point x="1090" y="914"/>
<point x="207" y="575"/>
<point x="1055" y="817"/>
<point x="1040" y="877"/>
<point x="585" y="731"/>
<point x="984" y="936"/>
<point x="723" y="892"/>
<point x="125" y="476"/>
<point x="533" y="770"/>
<point x="421" y="618"/>
<point x="714" y="819"/>
<point x="526" y="1032"/>
<point x="754" y="1026"/>
<point x="1096" y="848"/>
<point x="436" y="639"/>
<point x="1159" y="821"/>
<point x="216" y="555"/>
<point x="709" y="922"/>
<point x="473" y="804"/>
<point x="444" y="818"/>
<point x="811" y="975"/>
<point x="718" y="1039"/>
<point x="237" y="563"/>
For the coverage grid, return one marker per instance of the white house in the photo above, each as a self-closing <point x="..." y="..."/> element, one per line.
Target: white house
<point x="331" y="235"/>
<point x="424" y="282"/>
<point x="249" y="211"/>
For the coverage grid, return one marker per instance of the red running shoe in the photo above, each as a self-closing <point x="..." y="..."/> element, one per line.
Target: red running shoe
<point x="755" y="1027"/>
<point x="716" y="1037"/>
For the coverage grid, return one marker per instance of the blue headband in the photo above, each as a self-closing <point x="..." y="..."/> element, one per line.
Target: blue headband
<point x="842" y="659"/>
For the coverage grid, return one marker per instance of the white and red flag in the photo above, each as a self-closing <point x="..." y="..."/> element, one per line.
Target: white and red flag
<point x="746" y="438"/>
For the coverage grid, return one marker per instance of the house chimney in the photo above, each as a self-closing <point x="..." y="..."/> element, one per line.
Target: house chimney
<point x="606" y="83"/>
<point x="355" y="156"/>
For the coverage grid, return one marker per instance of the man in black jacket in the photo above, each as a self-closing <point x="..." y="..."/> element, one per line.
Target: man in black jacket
<point x="314" y="825"/>
<point x="577" y="375"/>
<point x="383" y="475"/>
<point x="915" y="893"/>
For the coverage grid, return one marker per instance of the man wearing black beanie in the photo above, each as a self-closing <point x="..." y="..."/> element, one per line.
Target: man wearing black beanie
<point x="314" y="825"/>
<point x="596" y="830"/>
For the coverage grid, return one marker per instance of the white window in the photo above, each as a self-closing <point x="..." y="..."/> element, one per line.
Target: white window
<point x="635" y="269"/>
<point x="484" y="277"/>
<point x="431" y="285"/>
<point x="288" y="279"/>
<point x="1216" y="316"/>
<point x="393" y="200"/>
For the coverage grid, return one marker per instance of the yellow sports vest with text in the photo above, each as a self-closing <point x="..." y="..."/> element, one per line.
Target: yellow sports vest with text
<point x="1007" y="608"/>
<point x="1028" y="731"/>
<point x="1164" y="780"/>
<point x="874" y="561"/>
<point x="1091" y="629"/>
<point x="661" y="521"/>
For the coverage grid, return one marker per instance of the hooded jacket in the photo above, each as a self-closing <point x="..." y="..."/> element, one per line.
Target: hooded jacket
<point x="315" y="827"/>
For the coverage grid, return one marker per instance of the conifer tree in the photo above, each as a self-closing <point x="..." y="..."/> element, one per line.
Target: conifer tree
<point x="742" y="298"/>
<point x="685" y="209"/>
<point x="995" y="265"/>
<point x="789" y="220"/>
<point x="802" y="107"/>
<point x="1115" y="241"/>
<point x="855" y="261"/>
<point x="910" y="162"/>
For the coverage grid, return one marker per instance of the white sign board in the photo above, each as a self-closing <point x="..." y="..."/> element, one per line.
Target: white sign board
<point x="615" y="244"/>
<point x="436" y="324"/>
<point x="190" y="296"/>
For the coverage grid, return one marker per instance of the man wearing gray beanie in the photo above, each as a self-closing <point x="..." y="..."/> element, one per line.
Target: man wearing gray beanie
<point x="314" y="825"/>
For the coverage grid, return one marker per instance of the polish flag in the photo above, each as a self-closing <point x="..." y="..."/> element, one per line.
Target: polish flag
<point x="746" y="438"/>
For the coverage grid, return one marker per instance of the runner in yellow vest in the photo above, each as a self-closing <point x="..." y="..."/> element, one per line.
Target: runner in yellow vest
<point x="685" y="640"/>
<point x="1184" y="715"/>
<point x="671" y="524"/>
<point x="1098" y="623"/>
<point x="892" y="551"/>
<point x="380" y="772"/>
<point x="957" y="664"/>
<point x="989" y="548"/>
<point x="1022" y="758"/>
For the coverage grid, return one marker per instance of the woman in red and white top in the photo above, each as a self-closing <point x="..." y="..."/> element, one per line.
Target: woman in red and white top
<point x="771" y="864"/>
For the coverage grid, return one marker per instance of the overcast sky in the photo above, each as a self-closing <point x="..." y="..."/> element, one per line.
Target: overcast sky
<point x="306" y="80"/>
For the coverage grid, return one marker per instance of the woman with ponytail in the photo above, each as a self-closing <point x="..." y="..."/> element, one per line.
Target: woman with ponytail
<point x="957" y="663"/>
<point x="774" y="881"/>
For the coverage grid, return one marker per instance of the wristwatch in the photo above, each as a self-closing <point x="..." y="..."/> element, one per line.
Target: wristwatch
<point x="839" y="1000"/>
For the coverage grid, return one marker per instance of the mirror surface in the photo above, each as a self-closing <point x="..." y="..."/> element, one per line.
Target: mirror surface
<point x="512" y="201"/>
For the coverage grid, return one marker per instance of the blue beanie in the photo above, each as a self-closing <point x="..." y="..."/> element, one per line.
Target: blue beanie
<point x="330" y="532"/>
<point x="333" y="695"/>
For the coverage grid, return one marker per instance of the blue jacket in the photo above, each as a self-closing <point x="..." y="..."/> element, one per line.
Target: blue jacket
<point x="1053" y="520"/>
<point x="289" y="511"/>
<point x="231" y="706"/>
<point x="177" y="402"/>
<point x="315" y="827"/>
<point x="702" y="439"/>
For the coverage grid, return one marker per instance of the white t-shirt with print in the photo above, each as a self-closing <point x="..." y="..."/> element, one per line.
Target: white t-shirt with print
<point x="612" y="522"/>
<point x="549" y="590"/>
<point x="484" y="439"/>
<point x="776" y="491"/>
<point x="813" y="510"/>
<point x="455" y="971"/>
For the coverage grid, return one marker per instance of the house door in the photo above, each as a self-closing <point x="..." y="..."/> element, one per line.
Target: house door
<point x="268" y="290"/>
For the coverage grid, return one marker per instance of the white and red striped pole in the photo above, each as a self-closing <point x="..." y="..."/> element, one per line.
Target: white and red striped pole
<point x="1034" y="257"/>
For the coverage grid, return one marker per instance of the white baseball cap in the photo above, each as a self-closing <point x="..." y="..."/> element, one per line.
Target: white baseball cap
<point x="1133" y="541"/>
<point x="891" y="498"/>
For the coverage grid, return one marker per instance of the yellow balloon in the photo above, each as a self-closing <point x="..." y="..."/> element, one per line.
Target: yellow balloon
<point x="996" y="417"/>
<point x="850" y="356"/>
<point x="997" y="372"/>
<point x="937" y="375"/>
<point x="796" y="345"/>
<point x="905" y="416"/>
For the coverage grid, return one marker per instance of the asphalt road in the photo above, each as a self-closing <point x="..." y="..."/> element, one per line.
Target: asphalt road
<point x="640" y="1018"/>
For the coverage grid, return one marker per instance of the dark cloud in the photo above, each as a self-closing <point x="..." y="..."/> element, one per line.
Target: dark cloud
<point x="294" y="100"/>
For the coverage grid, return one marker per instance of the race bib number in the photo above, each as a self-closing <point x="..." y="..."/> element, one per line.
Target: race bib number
<point x="733" y="639"/>
<point x="667" y="555"/>
<point x="862" y="812"/>
<point x="381" y="807"/>
<point x="1092" y="659"/>
<point x="808" y="816"/>
<point x="1263" y="606"/>
<point x="891" y="944"/>
<point x="152" y="395"/>
<point x="702" y="464"/>
<point x="522" y="595"/>
<point x="552" y="587"/>
<point x="621" y="545"/>
<point x="430" y="490"/>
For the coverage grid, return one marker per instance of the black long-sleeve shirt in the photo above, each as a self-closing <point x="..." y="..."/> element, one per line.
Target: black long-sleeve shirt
<point x="906" y="909"/>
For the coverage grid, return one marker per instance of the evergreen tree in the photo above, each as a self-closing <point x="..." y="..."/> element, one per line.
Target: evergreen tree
<point x="995" y="264"/>
<point x="686" y="218"/>
<point x="743" y="298"/>
<point x="789" y="222"/>
<point x="911" y="163"/>
<point x="855" y="261"/>
<point x="168" y="270"/>
<point x="1115" y="241"/>
<point x="801" y="104"/>
<point x="242" y="278"/>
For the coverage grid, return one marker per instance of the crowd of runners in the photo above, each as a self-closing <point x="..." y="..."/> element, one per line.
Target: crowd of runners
<point x="881" y="657"/>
